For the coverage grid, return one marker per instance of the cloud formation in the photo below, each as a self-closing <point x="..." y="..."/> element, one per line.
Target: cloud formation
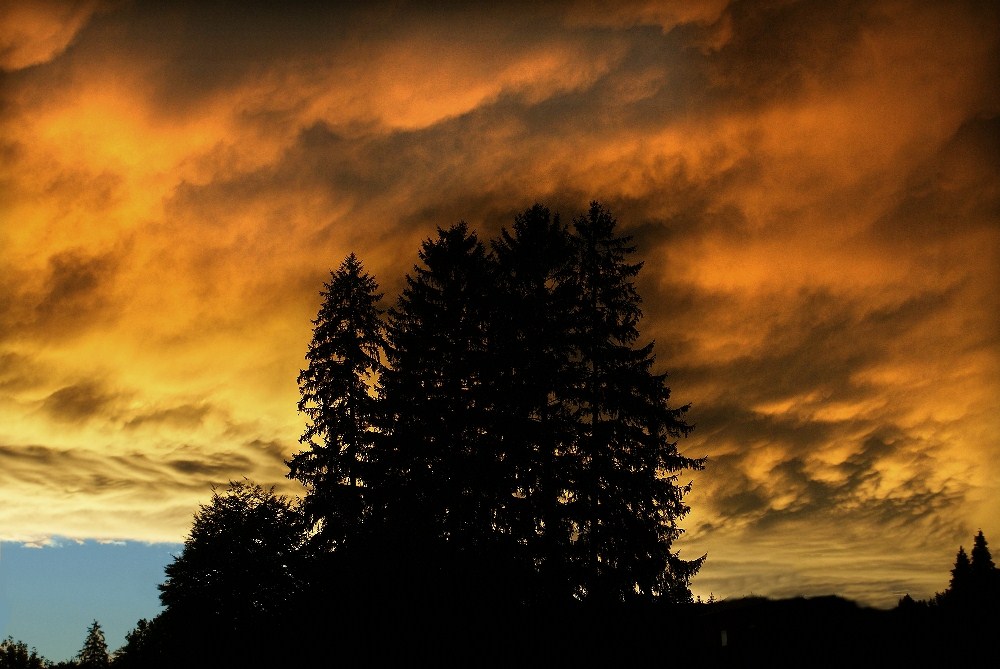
<point x="812" y="185"/>
<point x="35" y="32"/>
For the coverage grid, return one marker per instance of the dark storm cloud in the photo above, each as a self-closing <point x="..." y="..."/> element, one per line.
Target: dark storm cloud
<point x="75" y="191"/>
<point x="71" y="469"/>
<point x="100" y="491"/>
<point x="211" y="468"/>
<point x="856" y="499"/>
<point x="73" y="287"/>
<point x="458" y="167"/>
<point x="271" y="448"/>
<point x="206" y="50"/>
<point x="184" y="416"/>
<point x="28" y="453"/>
<point x="958" y="189"/>
<point x="18" y="372"/>
<point x="735" y="424"/>
<point x="71" y="297"/>
<point x="801" y="489"/>
<point x="814" y="342"/>
<point x="775" y="50"/>
<point x="32" y="33"/>
<point x="197" y="466"/>
<point x="78" y="402"/>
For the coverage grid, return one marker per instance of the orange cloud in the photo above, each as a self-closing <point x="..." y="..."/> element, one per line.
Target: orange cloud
<point x="813" y="188"/>
<point x="35" y="32"/>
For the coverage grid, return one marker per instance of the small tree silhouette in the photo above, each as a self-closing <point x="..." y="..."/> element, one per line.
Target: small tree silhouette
<point x="975" y="582"/>
<point x="140" y="649"/>
<point x="94" y="654"/>
<point x="236" y="566"/>
<point x="984" y="576"/>
<point x="961" y="576"/>
<point x="15" y="655"/>
<point x="982" y="562"/>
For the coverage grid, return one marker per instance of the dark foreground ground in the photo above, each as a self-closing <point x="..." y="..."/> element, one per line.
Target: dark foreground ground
<point x="750" y="632"/>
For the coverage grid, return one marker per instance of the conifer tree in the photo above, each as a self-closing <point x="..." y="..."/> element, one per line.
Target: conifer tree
<point x="94" y="654"/>
<point x="344" y="361"/>
<point x="439" y="462"/>
<point x="984" y="577"/>
<point x="961" y="578"/>
<point x="535" y="302"/>
<point x="16" y="655"/>
<point x="975" y="582"/>
<point x="981" y="563"/>
<point x="626" y="500"/>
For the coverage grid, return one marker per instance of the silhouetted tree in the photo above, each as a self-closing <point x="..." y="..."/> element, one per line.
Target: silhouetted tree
<point x="142" y="648"/>
<point x="16" y="655"/>
<point x="960" y="585"/>
<point x="981" y="565"/>
<point x="344" y="360"/>
<point x="441" y="460"/>
<point x="625" y="500"/>
<point x="984" y="577"/>
<point x="535" y="300"/>
<point x="94" y="654"/>
<point x="236" y="575"/>
<point x="975" y="582"/>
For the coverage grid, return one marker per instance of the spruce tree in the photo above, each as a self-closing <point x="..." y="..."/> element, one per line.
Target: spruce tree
<point x="344" y="361"/>
<point x="975" y="581"/>
<point x="535" y="303"/>
<point x="981" y="563"/>
<point x="625" y="500"/>
<point x="960" y="586"/>
<point x="440" y="461"/>
<point x="16" y="655"/>
<point x="94" y="654"/>
<point x="984" y="577"/>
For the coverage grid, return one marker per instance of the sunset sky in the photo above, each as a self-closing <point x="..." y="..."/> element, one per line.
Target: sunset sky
<point x="814" y="188"/>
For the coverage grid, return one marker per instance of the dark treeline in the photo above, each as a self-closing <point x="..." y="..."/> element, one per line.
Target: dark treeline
<point x="492" y="479"/>
<point x="514" y="422"/>
<point x="93" y="655"/>
<point x="954" y="628"/>
<point x="490" y="462"/>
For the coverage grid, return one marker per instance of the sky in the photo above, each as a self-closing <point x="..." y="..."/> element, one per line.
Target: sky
<point x="814" y="188"/>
